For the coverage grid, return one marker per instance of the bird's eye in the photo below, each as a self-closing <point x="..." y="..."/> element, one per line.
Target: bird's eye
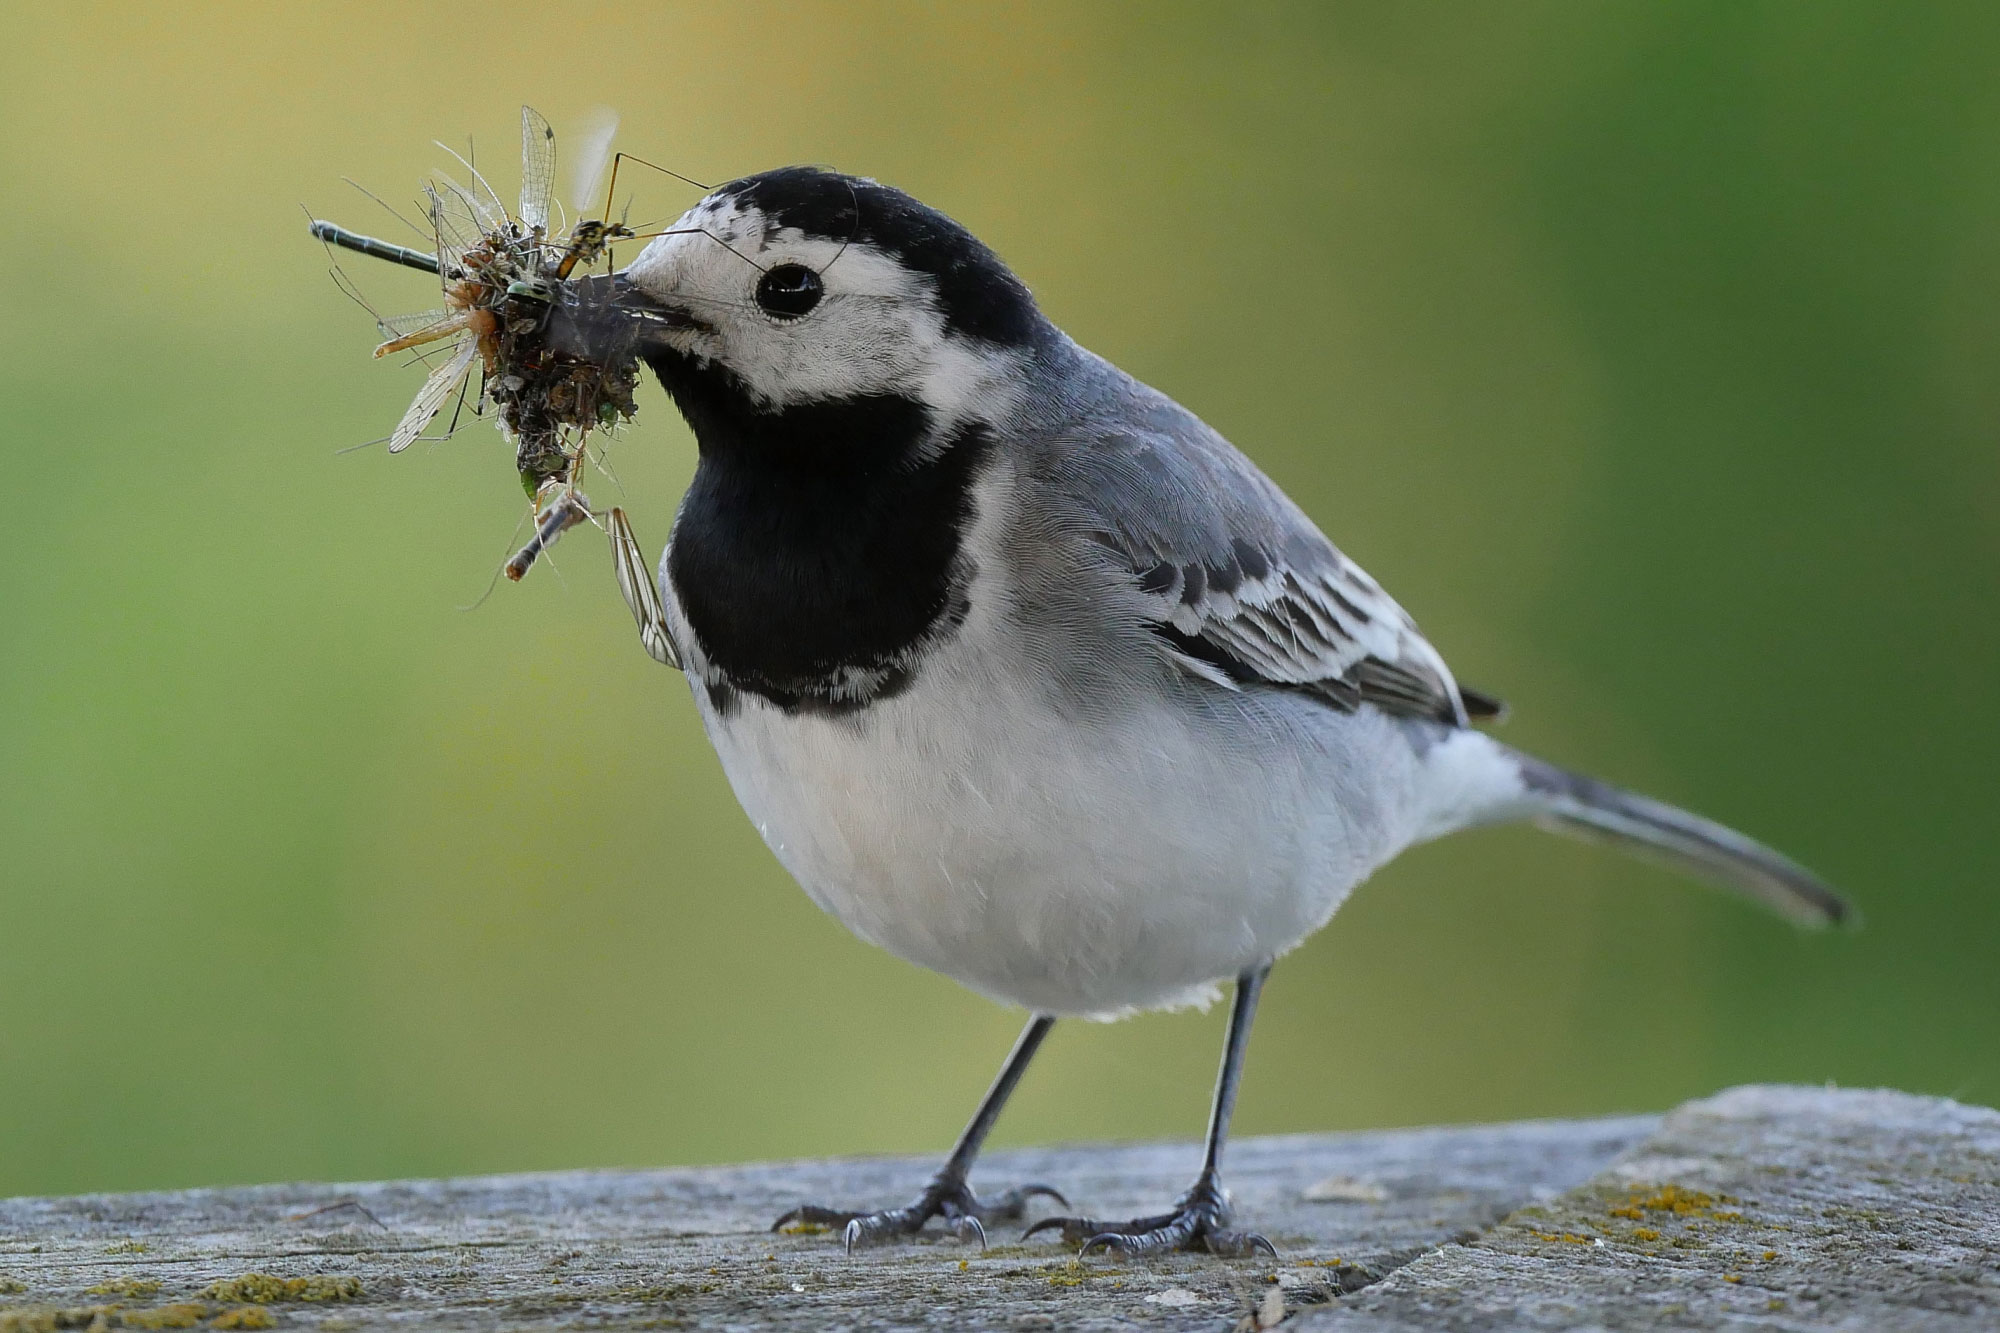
<point x="789" y="290"/>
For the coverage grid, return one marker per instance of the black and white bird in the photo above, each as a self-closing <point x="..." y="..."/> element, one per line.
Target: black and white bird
<point x="1028" y="676"/>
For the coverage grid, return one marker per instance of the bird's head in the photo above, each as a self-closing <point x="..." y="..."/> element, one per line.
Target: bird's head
<point x="801" y="291"/>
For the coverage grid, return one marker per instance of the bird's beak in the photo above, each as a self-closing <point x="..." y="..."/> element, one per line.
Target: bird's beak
<point x="607" y="317"/>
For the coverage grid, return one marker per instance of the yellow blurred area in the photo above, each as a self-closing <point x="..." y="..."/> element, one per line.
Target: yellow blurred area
<point x="1644" y="352"/>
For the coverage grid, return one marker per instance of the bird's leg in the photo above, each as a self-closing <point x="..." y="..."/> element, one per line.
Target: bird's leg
<point x="1200" y="1218"/>
<point x="947" y="1196"/>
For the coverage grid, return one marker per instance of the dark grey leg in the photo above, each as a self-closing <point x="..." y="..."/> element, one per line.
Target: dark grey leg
<point x="947" y="1196"/>
<point x="1200" y="1218"/>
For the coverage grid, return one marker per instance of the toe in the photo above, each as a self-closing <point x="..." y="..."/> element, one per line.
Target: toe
<point x="1014" y="1203"/>
<point x="1239" y="1244"/>
<point x="812" y="1215"/>
<point x="1074" y="1230"/>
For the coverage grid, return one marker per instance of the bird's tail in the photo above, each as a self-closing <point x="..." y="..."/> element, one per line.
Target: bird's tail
<point x="1586" y="808"/>
<point x="1496" y="783"/>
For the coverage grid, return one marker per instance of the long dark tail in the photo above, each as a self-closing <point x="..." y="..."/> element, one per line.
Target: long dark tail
<point x="1584" y="807"/>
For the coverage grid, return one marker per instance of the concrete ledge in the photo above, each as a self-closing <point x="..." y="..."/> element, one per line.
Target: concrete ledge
<point x="1765" y="1207"/>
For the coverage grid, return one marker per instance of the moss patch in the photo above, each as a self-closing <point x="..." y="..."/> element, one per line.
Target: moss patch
<point x="264" y="1289"/>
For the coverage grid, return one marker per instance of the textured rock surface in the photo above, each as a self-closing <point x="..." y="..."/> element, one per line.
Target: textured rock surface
<point x="1768" y="1208"/>
<point x="1762" y="1208"/>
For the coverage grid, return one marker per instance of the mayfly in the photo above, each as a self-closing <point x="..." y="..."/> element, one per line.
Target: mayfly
<point x="555" y="360"/>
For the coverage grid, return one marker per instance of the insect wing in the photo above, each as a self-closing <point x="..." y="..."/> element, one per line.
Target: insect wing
<point x="538" y="169"/>
<point x="593" y="154"/>
<point x="457" y="231"/>
<point x="642" y="597"/>
<point x="431" y="397"/>
<point x="401" y="326"/>
<point x="471" y="218"/>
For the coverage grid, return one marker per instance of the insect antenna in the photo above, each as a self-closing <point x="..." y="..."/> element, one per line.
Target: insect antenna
<point x="702" y="231"/>
<point x="345" y="285"/>
<point x="854" y="207"/>
<point x="667" y="171"/>
<point x="478" y="179"/>
<point x="389" y="209"/>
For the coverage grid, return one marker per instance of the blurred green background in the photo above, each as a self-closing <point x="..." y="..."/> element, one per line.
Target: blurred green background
<point x="1646" y="352"/>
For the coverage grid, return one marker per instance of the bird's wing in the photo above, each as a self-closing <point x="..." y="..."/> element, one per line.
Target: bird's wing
<point x="1235" y="581"/>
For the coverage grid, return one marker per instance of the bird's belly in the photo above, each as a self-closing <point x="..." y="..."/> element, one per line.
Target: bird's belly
<point x="1070" y="866"/>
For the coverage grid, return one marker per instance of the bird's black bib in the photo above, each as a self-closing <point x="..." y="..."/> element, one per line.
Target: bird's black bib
<point x="818" y="545"/>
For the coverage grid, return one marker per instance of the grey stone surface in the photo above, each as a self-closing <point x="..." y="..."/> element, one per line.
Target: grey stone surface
<point x="1765" y="1208"/>
<point x="1768" y="1208"/>
<point x="690" y="1248"/>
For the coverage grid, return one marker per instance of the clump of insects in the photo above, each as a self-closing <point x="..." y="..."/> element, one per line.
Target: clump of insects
<point x="556" y="350"/>
<point x="557" y="356"/>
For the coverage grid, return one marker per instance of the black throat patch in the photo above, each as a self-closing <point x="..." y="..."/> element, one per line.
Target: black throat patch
<point x="819" y="548"/>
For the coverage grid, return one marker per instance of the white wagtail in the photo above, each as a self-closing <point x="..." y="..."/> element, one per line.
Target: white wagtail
<point x="1026" y="674"/>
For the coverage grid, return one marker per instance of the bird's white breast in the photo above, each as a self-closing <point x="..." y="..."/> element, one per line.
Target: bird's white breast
<point x="1068" y="859"/>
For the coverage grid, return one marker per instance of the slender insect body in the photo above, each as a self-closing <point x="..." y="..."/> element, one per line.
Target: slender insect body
<point x="333" y="234"/>
<point x="569" y="508"/>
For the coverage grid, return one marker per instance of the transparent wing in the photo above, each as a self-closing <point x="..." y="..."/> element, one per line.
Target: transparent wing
<point x="457" y="229"/>
<point x="428" y="333"/>
<point x="593" y="154"/>
<point x="474" y="214"/>
<point x="396" y="326"/>
<point x="642" y="596"/>
<point x="431" y="397"/>
<point x="538" y="169"/>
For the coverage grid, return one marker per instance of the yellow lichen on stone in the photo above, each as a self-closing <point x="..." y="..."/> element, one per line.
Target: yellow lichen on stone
<point x="1644" y="1233"/>
<point x="1564" y="1237"/>
<point x="125" y="1286"/>
<point x="1676" y="1201"/>
<point x="1673" y="1199"/>
<point x="9" y="1287"/>
<point x="245" y="1316"/>
<point x="263" y="1288"/>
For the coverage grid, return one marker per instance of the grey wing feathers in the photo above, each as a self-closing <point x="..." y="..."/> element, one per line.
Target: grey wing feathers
<point x="1242" y="586"/>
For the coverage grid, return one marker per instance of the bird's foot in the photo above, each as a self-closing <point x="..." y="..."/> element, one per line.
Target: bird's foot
<point x="946" y="1197"/>
<point x="1199" y="1221"/>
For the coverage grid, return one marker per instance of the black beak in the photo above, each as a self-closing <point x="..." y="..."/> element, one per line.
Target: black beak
<point x="606" y="317"/>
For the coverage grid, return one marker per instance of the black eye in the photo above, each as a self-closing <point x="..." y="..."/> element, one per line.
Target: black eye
<point x="789" y="290"/>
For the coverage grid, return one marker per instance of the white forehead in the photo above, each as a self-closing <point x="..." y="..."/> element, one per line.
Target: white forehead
<point x="878" y="329"/>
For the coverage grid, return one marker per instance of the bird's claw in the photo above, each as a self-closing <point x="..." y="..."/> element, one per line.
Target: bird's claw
<point x="1200" y="1221"/>
<point x="946" y="1198"/>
